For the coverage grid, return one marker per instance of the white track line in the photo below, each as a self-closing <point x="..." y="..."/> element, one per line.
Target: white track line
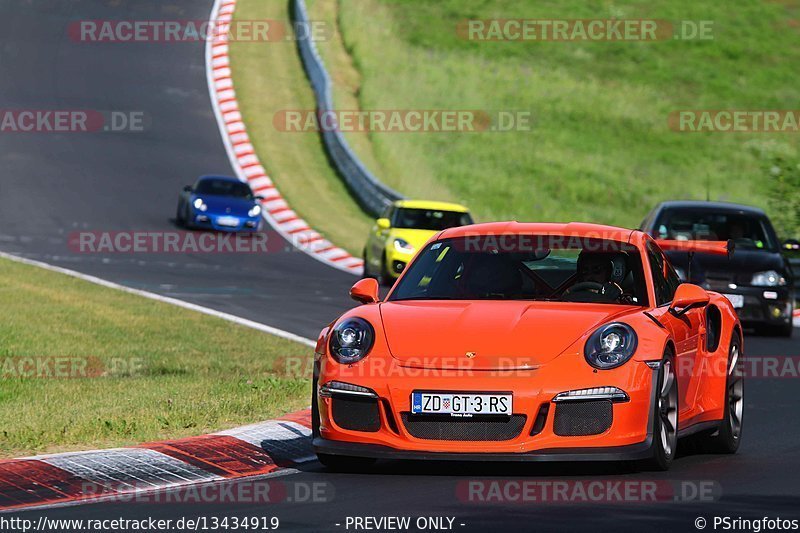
<point x="245" y="161"/>
<point x="165" y="299"/>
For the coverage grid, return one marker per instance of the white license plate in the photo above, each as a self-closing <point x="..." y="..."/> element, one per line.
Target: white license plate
<point x="461" y="404"/>
<point x="737" y="300"/>
<point x="228" y="222"/>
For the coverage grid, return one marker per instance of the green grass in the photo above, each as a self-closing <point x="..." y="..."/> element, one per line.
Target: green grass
<point x="156" y="371"/>
<point x="269" y="78"/>
<point x="600" y="149"/>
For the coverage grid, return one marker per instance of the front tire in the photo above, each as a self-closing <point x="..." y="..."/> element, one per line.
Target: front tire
<point x="785" y="331"/>
<point x="665" y="423"/>
<point x="366" y="273"/>
<point x="180" y="219"/>
<point x="187" y="217"/>
<point x="384" y="279"/>
<point x="727" y="438"/>
<point x="314" y="405"/>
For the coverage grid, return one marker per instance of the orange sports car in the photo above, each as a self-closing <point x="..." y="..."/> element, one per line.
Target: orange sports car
<point x="531" y="342"/>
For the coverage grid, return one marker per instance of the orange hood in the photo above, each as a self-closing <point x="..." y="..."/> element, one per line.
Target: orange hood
<point x="501" y="334"/>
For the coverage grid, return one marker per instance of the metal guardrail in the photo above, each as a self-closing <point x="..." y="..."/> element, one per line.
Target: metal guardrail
<point x="369" y="191"/>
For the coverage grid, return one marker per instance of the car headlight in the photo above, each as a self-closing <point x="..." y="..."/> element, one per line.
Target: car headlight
<point x="611" y="346"/>
<point x="254" y="211"/>
<point x="770" y="278"/>
<point x="402" y="245"/>
<point x="200" y="205"/>
<point x="351" y="340"/>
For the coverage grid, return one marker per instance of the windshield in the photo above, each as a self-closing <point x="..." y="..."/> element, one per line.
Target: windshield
<point x="525" y="267"/>
<point x="429" y="219"/>
<point x="748" y="231"/>
<point x="233" y="189"/>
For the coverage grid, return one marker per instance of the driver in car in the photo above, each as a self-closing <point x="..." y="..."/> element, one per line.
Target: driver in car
<point x="599" y="276"/>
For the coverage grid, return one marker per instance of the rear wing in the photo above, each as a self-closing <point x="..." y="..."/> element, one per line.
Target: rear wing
<point x="704" y="247"/>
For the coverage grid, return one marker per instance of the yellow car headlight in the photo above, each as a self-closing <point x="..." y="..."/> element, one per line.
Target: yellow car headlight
<point x="403" y="246"/>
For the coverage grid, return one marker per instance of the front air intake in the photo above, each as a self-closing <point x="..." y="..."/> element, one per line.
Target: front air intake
<point x="446" y="427"/>
<point x="355" y="413"/>
<point x="576" y="419"/>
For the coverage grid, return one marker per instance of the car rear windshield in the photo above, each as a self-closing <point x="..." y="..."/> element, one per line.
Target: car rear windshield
<point x="748" y="231"/>
<point x="526" y="267"/>
<point x="233" y="189"/>
<point x="429" y="219"/>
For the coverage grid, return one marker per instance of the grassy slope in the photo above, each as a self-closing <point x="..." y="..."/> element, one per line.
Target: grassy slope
<point x="600" y="150"/>
<point x="198" y="373"/>
<point x="346" y="78"/>
<point x="269" y="77"/>
<point x="347" y="86"/>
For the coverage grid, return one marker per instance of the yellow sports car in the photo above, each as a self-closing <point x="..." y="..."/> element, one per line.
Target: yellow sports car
<point x="404" y="227"/>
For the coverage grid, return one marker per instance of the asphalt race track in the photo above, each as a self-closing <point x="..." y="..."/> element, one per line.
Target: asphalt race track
<point x="756" y="482"/>
<point x="57" y="183"/>
<point x="54" y="184"/>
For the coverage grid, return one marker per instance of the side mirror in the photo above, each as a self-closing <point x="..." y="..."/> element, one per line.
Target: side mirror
<point x="688" y="296"/>
<point x="259" y="198"/>
<point x="791" y="245"/>
<point x="188" y="188"/>
<point x="365" y="291"/>
<point x="383" y="223"/>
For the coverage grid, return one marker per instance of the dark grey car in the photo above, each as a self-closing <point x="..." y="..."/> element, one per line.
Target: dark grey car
<point x="757" y="278"/>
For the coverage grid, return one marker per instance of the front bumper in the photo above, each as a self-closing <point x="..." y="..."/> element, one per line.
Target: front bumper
<point x="764" y="305"/>
<point x="396" y="262"/>
<point x="627" y="436"/>
<point x="232" y="224"/>
<point x="631" y="452"/>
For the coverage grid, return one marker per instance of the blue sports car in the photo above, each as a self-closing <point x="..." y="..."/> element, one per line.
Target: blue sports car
<point x="219" y="203"/>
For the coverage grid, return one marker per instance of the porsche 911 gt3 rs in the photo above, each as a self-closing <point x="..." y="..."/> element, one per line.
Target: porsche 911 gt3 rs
<point x="531" y="342"/>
